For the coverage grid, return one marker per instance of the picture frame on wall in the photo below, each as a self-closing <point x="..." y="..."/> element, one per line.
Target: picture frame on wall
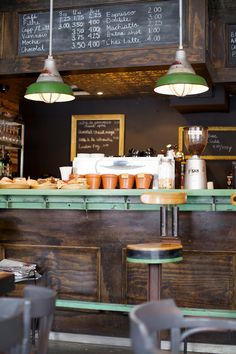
<point x="97" y="133"/>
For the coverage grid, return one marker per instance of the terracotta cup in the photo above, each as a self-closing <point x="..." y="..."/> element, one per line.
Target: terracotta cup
<point x="109" y="181"/>
<point x="93" y="180"/>
<point x="143" y="180"/>
<point x="126" y="181"/>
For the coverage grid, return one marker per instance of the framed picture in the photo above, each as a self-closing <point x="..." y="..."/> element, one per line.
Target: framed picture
<point x="221" y="143"/>
<point x="97" y="133"/>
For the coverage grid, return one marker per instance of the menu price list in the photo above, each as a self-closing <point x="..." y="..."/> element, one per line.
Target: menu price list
<point x="98" y="136"/>
<point x="117" y="26"/>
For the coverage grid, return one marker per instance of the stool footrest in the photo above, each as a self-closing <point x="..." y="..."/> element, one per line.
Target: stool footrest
<point x="154" y="261"/>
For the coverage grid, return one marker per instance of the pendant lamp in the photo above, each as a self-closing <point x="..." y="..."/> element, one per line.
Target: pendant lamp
<point x="49" y="87"/>
<point x="181" y="79"/>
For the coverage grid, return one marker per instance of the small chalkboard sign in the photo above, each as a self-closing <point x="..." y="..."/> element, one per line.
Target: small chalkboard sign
<point x="231" y="44"/>
<point x="221" y="143"/>
<point x="132" y="25"/>
<point x="100" y="133"/>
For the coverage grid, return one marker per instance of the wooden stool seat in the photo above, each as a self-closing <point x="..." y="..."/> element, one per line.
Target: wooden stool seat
<point x="164" y="198"/>
<point x="154" y="253"/>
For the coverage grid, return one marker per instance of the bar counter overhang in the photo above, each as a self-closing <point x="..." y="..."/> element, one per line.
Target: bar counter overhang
<point x="78" y="240"/>
<point x="115" y="199"/>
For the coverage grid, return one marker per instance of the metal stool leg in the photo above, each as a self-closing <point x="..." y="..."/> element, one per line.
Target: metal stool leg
<point x="154" y="282"/>
<point x="163" y="221"/>
<point x="154" y="287"/>
<point x="175" y="221"/>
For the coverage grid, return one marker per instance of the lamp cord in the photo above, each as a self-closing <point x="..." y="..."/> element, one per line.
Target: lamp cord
<point x="180" y="24"/>
<point x="50" y="29"/>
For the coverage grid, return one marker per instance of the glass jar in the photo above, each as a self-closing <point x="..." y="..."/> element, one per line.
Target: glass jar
<point x="166" y="178"/>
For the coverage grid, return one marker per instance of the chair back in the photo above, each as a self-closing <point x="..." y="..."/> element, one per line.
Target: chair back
<point x="149" y="319"/>
<point x="14" y="325"/>
<point x="42" y="310"/>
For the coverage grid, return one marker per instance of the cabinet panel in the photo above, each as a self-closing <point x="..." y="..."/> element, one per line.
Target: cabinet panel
<point x="74" y="272"/>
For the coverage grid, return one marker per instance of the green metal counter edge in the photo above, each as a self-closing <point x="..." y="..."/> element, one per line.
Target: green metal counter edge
<point x="110" y="199"/>
<point x="117" y="192"/>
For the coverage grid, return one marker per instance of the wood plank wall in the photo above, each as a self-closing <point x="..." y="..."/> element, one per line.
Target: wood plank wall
<point x="82" y="256"/>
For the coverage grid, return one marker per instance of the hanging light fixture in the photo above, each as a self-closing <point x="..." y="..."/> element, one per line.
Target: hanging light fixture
<point x="181" y="79"/>
<point x="49" y="87"/>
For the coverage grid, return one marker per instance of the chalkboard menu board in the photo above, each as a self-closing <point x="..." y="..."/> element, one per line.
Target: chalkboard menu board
<point x="92" y="28"/>
<point x="101" y="133"/>
<point x="221" y="143"/>
<point x="231" y="43"/>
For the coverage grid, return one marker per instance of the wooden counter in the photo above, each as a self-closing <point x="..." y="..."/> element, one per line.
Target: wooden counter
<point x="78" y="240"/>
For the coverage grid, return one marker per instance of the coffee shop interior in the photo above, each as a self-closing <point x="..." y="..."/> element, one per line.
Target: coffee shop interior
<point x="127" y="80"/>
<point x="79" y="238"/>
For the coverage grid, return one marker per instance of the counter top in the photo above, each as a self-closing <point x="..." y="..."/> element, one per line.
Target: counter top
<point x="113" y="199"/>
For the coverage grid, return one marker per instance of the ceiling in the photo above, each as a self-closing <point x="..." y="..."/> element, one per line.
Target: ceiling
<point x="112" y="84"/>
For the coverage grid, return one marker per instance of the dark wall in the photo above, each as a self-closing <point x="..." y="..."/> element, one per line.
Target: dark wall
<point x="149" y="122"/>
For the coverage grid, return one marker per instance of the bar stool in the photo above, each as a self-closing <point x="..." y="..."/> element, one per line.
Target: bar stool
<point x="169" y="248"/>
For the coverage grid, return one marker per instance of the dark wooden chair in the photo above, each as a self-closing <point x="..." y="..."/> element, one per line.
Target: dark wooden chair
<point x="14" y="325"/>
<point x="148" y="320"/>
<point x="169" y="247"/>
<point x="7" y="282"/>
<point x="42" y="311"/>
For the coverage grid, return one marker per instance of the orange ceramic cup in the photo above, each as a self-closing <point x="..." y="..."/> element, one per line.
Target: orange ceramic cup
<point x="143" y="180"/>
<point x="109" y="181"/>
<point x="126" y="181"/>
<point x="93" y="180"/>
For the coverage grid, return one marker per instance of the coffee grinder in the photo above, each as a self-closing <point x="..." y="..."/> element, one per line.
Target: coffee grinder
<point x="195" y="139"/>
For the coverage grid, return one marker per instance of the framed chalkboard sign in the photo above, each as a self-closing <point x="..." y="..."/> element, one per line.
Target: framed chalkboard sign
<point x="231" y="44"/>
<point x="221" y="143"/>
<point x="99" y="133"/>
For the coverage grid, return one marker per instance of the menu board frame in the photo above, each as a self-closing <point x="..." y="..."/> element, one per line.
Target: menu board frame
<point x="75" y="133"/>
<point x="217" y="129"/>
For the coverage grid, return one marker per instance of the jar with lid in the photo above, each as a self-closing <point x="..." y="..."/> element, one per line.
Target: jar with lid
<point x="166" y="178"/>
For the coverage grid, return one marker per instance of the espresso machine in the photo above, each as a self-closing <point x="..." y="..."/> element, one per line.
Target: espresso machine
<point x="195" y="139"/>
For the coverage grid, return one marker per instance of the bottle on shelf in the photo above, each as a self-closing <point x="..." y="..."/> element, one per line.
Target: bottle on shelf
<point x="2" y="156"/>
<point x="7" y="165"/>
<point x="178" y="156"/>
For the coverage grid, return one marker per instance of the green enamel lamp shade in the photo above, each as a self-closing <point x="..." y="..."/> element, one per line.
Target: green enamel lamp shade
<point x="181" y="84"/>
<point x="49" y="92"/>
<point x="49" y="87"/>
